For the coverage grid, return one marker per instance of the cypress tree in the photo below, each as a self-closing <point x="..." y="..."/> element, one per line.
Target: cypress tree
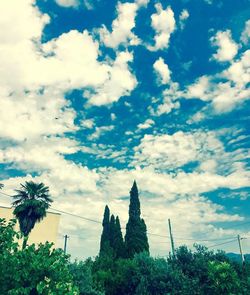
<point x="111" y="239"/>
<point x="105" y="237"/>
<point x="136" y="240"/>
<point x="112" y="231"/>
<point x="118" y="240"/>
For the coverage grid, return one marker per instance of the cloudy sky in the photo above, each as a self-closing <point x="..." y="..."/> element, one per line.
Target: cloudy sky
<point x="95" y="94"/>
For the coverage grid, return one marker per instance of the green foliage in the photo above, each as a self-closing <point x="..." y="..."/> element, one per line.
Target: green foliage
<point x="105" y="237"/>
<point x="223" y="278"/>
<point x="31" y="203"/>
<point x="112" y="231"/>
<point x="118" y="244"/>
<point x="136" y="240"/>
<point x="200" y="272"/>
<point x="111" y="239"/>
<point x="82" y="277"/>
<point x="134" y="206"/>
<point x="33" y="270"/>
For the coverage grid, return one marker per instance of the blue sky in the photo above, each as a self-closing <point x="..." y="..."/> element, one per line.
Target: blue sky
<point x="95" y="94"/>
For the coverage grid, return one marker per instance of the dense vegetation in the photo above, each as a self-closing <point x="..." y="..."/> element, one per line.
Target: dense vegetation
<point x="189" y="272"/>
<point x="40" y="270"/>
<point x="44" y="270"/>
<point x="122" y="266"/>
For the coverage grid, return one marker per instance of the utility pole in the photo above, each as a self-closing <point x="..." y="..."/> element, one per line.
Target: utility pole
<point x="171" y="237"/>
<point x="241" y="253"/>
<point x="65" y="243"/>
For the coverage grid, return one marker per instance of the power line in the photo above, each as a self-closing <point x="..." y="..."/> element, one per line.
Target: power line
<point x="190" y="239"/>
<point x="75" y="215"/>
<point x="222" y="244"/>
<point x="149" y="233"/>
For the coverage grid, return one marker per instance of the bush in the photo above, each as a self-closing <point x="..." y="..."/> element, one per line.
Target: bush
<point x="34" y="270"/>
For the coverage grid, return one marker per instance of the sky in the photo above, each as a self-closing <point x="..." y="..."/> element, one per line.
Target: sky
<point x="96" y="94"/>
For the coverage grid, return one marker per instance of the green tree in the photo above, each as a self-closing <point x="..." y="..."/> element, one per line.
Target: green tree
<point x="112" y="232"/>
<point x="118" y="240"/>
<point x="136" y="240"/>
<point x="105" y="237"/>
<point x="83" y="278"/>
<point x="223" y="279"/>
<point x="31" y="204"/>
<point x="33" y="270"/>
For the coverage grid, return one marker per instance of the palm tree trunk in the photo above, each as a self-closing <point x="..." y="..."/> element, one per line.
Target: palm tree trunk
<point x="25" y="240"/>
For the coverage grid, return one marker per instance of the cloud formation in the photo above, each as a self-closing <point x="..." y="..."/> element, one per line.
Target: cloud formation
<point x="226" y="47"/>
<point x="163" y="23"/>
<point x="162" y="71"/>
<point x="122" y="27"/>
<point x="68" y="3"/>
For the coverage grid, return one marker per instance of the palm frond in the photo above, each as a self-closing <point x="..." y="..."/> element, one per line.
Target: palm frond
<point x="31" y="202"/>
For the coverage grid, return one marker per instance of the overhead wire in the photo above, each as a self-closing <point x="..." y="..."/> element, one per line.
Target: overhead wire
<point x="222" y="244"/>
<point x="149" y="233"/>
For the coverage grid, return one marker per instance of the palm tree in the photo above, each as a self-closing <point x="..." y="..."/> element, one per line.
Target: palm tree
<point x="31" y="203"/>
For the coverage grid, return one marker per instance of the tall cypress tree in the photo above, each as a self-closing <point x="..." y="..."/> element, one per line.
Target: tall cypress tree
<point x="105" y="237"/>
<point x="136" y="240"/>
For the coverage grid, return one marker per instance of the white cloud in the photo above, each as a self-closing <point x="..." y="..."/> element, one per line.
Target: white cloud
<point x="200" y="89"/>
<point x="162" y="71"/>
<point x="122" y="26"/>
<point x="147" y="124"/>
<point x="114" y="87"/>
<point x="68" y="3"/>
<point x="142" y="2"/>
<point x="100" y="131"/>
<point x="24" y="14"/>
<point x="202" y="152"/>
<point x="239" y="71"/>
<point x="170" y="101"/>
<point x="31" y="115"/>
<point x="163" y="23"/>
<point x="197" y="117"/>
<point x="64" y="63"/>
<point x="245" y="36"/>
<point x="209" y="166"/>
<point x="226" y="89"/>
<point x="183" y="17"/>
<point x="227" y="48"/>
<point x="113" y="116"/>
<point x="46" y="156"/>
<point x="169" y="186"/>
<point x="88" y="4"/>
<point x="87" y="123"/>
<point x="172" y="151"/>
<point x="222" y="91"/>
